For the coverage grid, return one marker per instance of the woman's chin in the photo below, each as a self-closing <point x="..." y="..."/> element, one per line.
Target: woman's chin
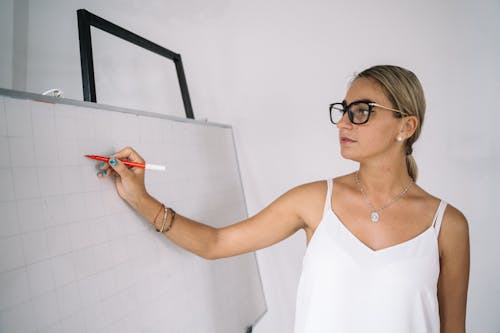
<point x="345" y="153"/>
<point x="349" y="155"/>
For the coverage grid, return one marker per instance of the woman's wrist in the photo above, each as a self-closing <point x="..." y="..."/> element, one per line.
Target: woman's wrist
<point x="137" y="201"/>
<point x="147" y="206"/>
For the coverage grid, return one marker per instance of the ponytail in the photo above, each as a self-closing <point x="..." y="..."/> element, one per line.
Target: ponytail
<point x="411" y="166"/>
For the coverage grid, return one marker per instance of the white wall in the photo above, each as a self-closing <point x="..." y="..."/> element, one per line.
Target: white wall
<point x="270" y="69"/>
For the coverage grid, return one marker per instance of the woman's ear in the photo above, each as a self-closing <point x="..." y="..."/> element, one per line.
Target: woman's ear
<point x="410" y="125"/>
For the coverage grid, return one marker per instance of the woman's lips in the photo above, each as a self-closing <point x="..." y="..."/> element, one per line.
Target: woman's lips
<point x="346" y="140"/>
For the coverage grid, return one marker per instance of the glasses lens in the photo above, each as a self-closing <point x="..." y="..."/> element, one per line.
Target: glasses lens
<point x="336" y="112"/>
<point x="360" y="112"/>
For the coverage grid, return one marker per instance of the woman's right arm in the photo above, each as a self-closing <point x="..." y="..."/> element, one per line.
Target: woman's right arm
<point x="282" y="218"/>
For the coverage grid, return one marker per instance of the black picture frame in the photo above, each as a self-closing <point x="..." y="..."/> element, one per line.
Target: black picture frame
<point x="86" y="20"/>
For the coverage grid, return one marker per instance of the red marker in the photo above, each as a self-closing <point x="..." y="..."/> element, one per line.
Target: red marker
<point x="129" y="163"/>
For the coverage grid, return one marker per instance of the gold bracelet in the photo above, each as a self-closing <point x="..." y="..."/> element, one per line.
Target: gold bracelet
<point x="172" y="219"/>
<point x="165" y="215"/>
<point x="162" y="207"/>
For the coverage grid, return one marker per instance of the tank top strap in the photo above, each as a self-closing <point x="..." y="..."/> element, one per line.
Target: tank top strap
<point x="328" y="199"/>
<point x="438" y="218"/>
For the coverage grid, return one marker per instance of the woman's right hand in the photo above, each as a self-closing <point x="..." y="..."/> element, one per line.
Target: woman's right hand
<point x="129" y="181"/>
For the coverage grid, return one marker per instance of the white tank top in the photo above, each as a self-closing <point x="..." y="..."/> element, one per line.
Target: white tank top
<point x="345" y="286"/>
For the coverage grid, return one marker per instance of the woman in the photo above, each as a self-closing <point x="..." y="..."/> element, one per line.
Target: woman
<point x="383" y="255"/>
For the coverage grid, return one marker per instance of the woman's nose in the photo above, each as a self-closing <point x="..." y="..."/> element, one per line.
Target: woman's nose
<point x="344" y="122"/>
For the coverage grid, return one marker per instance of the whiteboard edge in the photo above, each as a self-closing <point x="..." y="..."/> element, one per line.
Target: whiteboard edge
<point x="242" y="187"/>
<point x="56" y="100"/>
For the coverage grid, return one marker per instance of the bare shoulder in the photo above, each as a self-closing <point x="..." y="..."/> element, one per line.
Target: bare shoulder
<point x="308" y="201"/>
<point x="316" y="190"/>
<point x="309" y="195"/>
<point x="454" y="232"/>
<point x="312" y="188"/>
<point x="311" y="199"/>
<point x="454" y="221"/>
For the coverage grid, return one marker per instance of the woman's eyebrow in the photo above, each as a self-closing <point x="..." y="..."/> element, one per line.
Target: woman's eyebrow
<point x="364" y="100"/>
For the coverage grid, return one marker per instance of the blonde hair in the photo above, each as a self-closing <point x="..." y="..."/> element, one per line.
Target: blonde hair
<point x="405" y="92"/>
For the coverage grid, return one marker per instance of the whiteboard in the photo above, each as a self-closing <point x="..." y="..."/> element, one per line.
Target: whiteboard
<point x="76" y="258"/>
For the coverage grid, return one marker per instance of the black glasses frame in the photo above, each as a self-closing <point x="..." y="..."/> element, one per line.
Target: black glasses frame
<point x="347" y="108"/>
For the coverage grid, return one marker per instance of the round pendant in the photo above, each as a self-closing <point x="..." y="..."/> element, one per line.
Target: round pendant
<point x="374" y="217"/>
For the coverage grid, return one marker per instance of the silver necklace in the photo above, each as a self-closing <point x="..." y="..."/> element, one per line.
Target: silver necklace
<point x="374" y="215"/>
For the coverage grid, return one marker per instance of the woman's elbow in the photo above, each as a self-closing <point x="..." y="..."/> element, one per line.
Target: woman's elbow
<point x="211" y="250"/>
<point x="209" y="256"/>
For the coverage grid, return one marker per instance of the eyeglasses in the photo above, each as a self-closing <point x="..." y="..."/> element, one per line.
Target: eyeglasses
<point x="358" y="112"/>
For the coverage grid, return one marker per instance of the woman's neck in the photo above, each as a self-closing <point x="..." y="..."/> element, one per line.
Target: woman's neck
<point x="383" y="179"/>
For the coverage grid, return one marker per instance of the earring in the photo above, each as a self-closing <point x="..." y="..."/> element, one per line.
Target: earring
<point x="399" y="139"/>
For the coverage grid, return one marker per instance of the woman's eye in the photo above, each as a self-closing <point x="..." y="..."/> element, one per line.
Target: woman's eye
<point x="361" y="112"/>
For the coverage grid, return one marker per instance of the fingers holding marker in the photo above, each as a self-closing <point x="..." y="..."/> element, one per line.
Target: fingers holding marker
<point x="104" y="169"/>
<point x="112" y="165"/>
<point x="106" y="172"/>
<point x="130" y="154"/>
<point x="117" y="166"/>
<point x="130" y="159"/>
<point x="128" y="168"/>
